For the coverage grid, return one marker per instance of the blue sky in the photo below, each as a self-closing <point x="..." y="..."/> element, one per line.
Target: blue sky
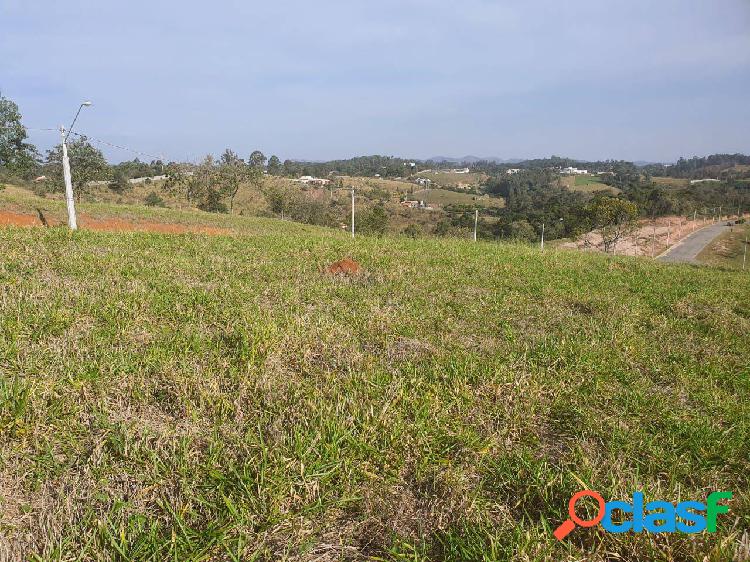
<point x="632" y="79"/>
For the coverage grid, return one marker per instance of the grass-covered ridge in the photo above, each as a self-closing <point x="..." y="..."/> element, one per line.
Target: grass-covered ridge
<point x="219" y="398"/>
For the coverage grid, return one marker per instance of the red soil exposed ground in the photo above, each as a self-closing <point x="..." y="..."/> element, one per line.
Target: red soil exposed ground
<point x="109" y="225"/>
<point x="344" y="267"/>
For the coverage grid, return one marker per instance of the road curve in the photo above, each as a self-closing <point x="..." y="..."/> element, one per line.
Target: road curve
<point x="687" y="250"/>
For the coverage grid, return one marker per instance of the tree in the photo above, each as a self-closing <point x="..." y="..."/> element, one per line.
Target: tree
<point x="119" y="182"/>
<point x="613" y="218"/>
<point x="373" y="221"/>
<point x="257" y="159"/>
<point x="87" y="164"/>
<point x="274" y="165"/>
<point x="193" y="183"/>
<point x="16" y="155"/>
<point x="280" y="199"/>
<point x="213" y="203"/>
<point x="232" y="172"/>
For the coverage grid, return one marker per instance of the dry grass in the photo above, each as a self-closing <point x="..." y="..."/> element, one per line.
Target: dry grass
<point x="728" y="250"/>
<point x="182" y="397"/>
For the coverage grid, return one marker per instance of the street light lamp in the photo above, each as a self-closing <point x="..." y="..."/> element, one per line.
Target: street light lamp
<point x="66" y="170"/>
<point x="84" y="104"/>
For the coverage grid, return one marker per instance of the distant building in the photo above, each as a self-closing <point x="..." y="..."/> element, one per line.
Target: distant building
<point x="570" y="170"/>
<point x="461" y="171"/>
<point x="512" y="170"/>
<point x="693" y="182"/>
<point x="424" y="181"/>
<point x="415" y="205"/>
<point x="142" y="180"/>
<point x="313" y="180"/>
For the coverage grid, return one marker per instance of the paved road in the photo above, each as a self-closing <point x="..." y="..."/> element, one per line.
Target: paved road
<point x="687" y="250"/>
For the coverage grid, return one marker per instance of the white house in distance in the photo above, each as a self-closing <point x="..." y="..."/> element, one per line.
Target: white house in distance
<point x="510" y="171"/>
<point x="570" y="170"/>
<point x="312" y="180"/>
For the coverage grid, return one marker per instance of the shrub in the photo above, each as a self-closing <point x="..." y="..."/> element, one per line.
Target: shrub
<point x="373" y="221"/>
<point x="153" y="200"/>
<point x="413" y="231"/>
<point x="522" y="231"/>
<point x="213" y="203"/>
<point x="119" y="183"/>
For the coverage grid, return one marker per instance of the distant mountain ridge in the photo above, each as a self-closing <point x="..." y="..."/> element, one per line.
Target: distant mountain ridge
<point x="474" y="159"/>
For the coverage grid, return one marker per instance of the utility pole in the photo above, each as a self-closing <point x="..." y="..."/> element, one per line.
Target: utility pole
<point x="744" y="254"/>
<point x="541" y="246"/>
<point x="352" y="212"/>
<point x="669" y="232"/>
<point x="72" y="223"/>
<point x="476" y="220"/>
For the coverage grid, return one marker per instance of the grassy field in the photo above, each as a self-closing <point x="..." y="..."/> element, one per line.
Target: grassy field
<point x="192" y="397"/>
<point x="587" y="184"/>
<point x="670" y="182"/>
<point x="53" y="208"/>
<point x="728" y="249"/>
<point x="450" y="179"/>
<point x="446" y="197"/>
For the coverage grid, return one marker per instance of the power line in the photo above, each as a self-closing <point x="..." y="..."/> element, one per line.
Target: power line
<point x="112" y="145"/>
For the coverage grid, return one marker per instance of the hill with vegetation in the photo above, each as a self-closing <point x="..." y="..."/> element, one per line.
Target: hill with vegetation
<point x="194" y="397"/>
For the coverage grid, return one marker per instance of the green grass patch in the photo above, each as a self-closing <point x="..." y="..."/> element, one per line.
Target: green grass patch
<point x="587" y="184"/>
<point x="182" y="397"/>
<point x="447" y="197"/>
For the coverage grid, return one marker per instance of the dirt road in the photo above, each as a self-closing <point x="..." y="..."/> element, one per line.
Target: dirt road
<point x="689" y="248"/>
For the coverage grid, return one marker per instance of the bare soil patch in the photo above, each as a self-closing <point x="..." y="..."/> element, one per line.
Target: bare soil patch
<point x="651" y="238"/>
<point x="345" y="267"/>
<point x="12" y="218"/>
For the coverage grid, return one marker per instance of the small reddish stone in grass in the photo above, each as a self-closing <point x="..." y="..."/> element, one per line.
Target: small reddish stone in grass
<point x="344" y="267"/>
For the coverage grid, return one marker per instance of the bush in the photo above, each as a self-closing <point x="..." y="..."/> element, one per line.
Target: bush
<point x="213" y="202"/>
<point x="522" y="231"/>
<point x="309" y="211"/>
<point x="413" y="231"/>
<point x="119" y="183"/>
<point x="374" y="221"/>
<point x="153" y="200"/>
<point x="2" y="187"/>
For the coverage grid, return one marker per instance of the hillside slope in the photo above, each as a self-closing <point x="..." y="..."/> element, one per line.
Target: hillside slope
<point x="195" y="397"/>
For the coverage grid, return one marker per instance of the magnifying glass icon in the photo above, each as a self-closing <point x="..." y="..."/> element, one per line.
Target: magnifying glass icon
<point x="569" y="524"/>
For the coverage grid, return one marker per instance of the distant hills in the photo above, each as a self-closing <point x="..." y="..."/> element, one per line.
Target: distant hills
<point x="474" y="159"/>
